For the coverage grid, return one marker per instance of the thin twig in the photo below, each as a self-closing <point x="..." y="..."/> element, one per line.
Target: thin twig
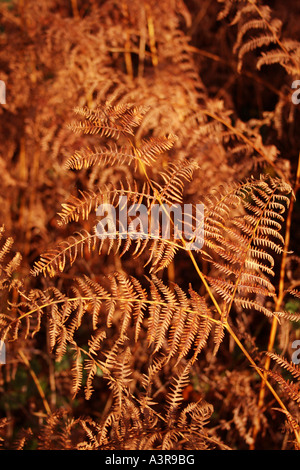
<point x="36" y="381"/>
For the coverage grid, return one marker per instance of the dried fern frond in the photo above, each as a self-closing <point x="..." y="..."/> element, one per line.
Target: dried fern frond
<point x="177" y="324"/>
<point x="292" y="368"/>
<point x="110" y="121"/>
<point x="242" y="229"/>
<point x="175" y="396"/>
<point x="294" y="292"/>
<point x="147" y="153"/>
<point x="7" y="270"/>
<point x="77" y="208"/>
<point x="257" y="30"/>
<point x="137" y="425"/>
<point x="57" y="432"/>
<point x="148" y="234"/>
<point x="289" y="388"/>
<point x="139" y="428"/>
<point x="173" y="182"/>
<point x="54" y="261"/>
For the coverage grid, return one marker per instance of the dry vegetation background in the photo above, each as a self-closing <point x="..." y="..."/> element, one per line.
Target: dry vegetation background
<point x="191" y="350"/>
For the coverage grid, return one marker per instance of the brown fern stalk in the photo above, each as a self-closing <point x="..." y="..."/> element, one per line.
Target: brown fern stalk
<point x="37" y="382"/>
<point x="75" y="9"/>
<point x="151" y="32"/>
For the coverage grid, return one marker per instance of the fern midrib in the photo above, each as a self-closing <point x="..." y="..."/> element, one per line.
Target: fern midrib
<point x="110" y="298"/>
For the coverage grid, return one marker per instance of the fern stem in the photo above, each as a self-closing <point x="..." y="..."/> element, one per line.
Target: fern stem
<point x="93" y="298"/>
<point x="151" y="33"/>
<point x="202" y="277"/>
<point x="261" y="374"/>
<point x="75" y="9"/>
<point x="36" y="381"/>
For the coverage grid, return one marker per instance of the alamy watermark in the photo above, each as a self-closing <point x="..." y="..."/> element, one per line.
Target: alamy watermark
<point x="296" y="94"/>
<point x="296" y="354"/>
<point x="2" y="352"/>
<point x="2" y="92"/>
<point x="160" y="221"/>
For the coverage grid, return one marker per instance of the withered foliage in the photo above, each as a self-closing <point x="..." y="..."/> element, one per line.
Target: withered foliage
<point x="149" y="342"/>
